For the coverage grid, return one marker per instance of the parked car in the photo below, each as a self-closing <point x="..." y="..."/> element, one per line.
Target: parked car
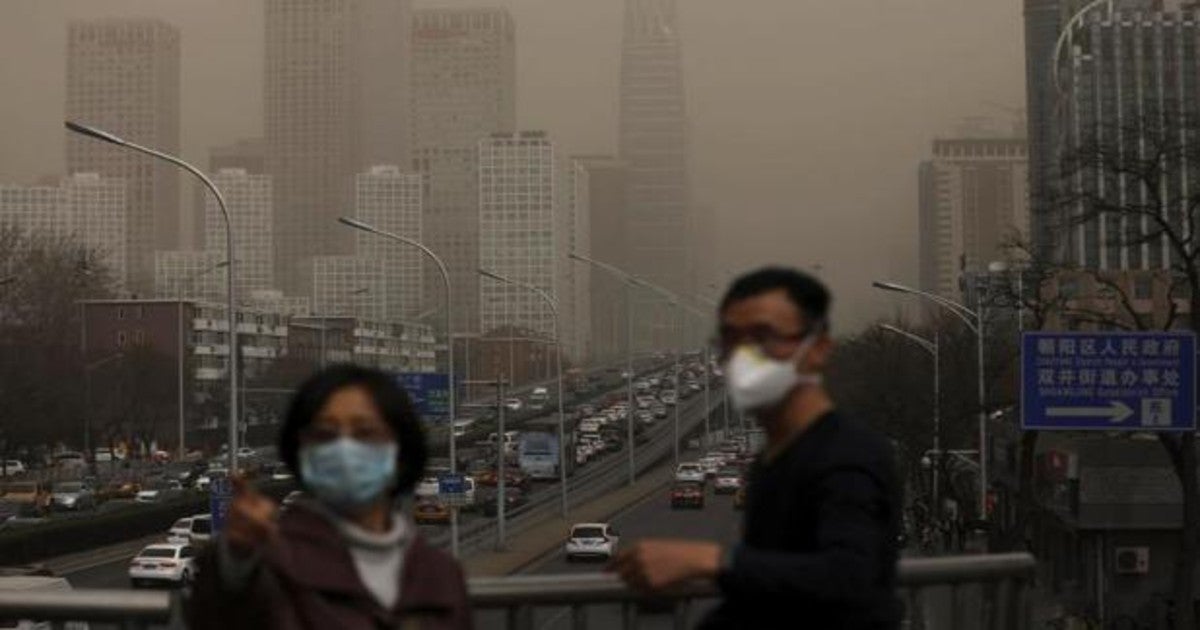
<point x="513" y="404"/>
<point x="12" y="468"/>
<point x="728" y="481"/>
<point x="26" y="492"/>
<point x="690" y="471"/>
<point x="72" y="495"/>
<point x="687" y="494"/>
<point x="70" y="463"/>
<point x="172" y="563"/>
<point x="118" y="489"/>
<point x="591" y="540"/>
<point x="431" y="512"/>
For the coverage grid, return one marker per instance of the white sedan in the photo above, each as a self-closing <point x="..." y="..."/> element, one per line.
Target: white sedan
<point x="690" y="471"/>
<point x="173" y="563"/>
<point x="591" y="540"/>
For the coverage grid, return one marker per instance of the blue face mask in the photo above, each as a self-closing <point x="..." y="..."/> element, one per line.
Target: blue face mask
<point x="347" y="474"/>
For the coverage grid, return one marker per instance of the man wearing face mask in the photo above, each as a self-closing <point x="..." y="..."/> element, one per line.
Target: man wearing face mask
<point x="343" y="556"/>
<point x="822" y="510"/>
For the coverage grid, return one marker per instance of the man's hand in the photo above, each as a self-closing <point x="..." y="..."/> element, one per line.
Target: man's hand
<point x="251" y="518"/>
<point x="652" y="565"/>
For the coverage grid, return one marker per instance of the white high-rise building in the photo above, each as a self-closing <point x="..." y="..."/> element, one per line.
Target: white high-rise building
<point x="249" y="198"/>
<point x="350" y="285"/>
<point x="123" y="77"/>
<point x="191" y="275"/>
<point x="464" y="88"/>
<point x="391" y="201"/>
<point x="85" y="207"/>
<point x="517" y="230"/>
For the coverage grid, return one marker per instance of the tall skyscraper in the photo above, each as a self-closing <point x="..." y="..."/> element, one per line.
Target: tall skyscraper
<point x="653" y="143"/>
<point x="1131" y="77"/>
<point x="391" y="201"/>
<point x="974" y="204"/>
<point x="90" y="209"/>
<point x="517" y="227"/>
<point x="351" y="285"/>
<point x="1042" y="18"/>
<point x="464" y="88"/>
<point x="606" y="179"/>
<point x="336" y="101"/>
<point x="123" y="77"/>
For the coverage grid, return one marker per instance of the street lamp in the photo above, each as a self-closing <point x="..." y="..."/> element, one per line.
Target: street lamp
<point x="359" y="225"/>
<point x="974" y="321"/>
<point x="562" y="433"/>
<point x="104" y="136"/>
<point x="931" y="346"/>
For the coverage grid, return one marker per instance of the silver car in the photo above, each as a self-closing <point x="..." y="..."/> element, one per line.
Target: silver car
<point x="72" y="495"/>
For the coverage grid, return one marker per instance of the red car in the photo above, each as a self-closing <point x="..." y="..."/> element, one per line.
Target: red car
<point x="687" y="494"/>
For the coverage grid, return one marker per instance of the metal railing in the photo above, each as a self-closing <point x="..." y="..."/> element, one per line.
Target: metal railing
<point x="961" y="592"/>
<point x="128" y="609"/>
<point x="998" y="584"/>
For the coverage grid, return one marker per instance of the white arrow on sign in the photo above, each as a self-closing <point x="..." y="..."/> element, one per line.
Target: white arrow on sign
<point x="1116" y="411"/>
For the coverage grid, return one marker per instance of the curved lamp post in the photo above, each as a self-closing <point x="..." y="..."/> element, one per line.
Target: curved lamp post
<point x="104" y="136"/>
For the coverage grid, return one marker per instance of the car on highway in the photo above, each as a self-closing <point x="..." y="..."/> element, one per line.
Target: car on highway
<point x="687" y="494"/>
<point x="12" y="468"/>
<point x="162" y="490"/>
<point x="118" y="489"/>
<point x="104" y="454"/>
<point x="690" y="471"/>
<point x="196" y="529"/>
<point x="70" y="463"/>
<point x="660" y="411"/>
<point x="583" y="453"/>
<point x="694" y="385"/>
<point x="645" y="416"/>
<point x="728" y="481"/>
<point x="205" y="479"/>
<point x="513" y="404"/>
<point x="27" y="492"/>
<point x="169" y="563"/>
<point x="712" y="462"/>
<point x="291" y="498"/>
<point x="427" y="487"/>
<point x="280" y="472"/>
<point x="431" y="512"/>
<point x="591" y="541"/>
<point x="72" y="495"/>
<point x="668" y="397"/>
<point x="513" y="478"/>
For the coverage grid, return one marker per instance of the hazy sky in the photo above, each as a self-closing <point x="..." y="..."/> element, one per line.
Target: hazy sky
<point x="808" y="117"/>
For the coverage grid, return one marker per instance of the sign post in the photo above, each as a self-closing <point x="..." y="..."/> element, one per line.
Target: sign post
<point x="1108" y="381"/>
<point x="220" y="495"/>
<point x="430" y="393"/>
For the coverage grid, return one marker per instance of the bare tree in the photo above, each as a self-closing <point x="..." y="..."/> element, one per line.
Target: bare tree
<point x="1128" y="199"/>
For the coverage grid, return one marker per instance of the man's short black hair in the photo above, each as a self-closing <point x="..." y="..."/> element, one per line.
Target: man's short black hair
<point x="389" y="397"/>
<point x="808" y="294"/>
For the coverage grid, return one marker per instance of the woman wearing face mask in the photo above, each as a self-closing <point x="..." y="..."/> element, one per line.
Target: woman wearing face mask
<point x="344" y="556"/>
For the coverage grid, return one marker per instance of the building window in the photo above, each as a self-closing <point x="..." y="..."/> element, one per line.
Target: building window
<point x="120" y="312"/>
<point x="138" y="312"/>
<point x="139" y="337"/>
<point x="122" y="338"/>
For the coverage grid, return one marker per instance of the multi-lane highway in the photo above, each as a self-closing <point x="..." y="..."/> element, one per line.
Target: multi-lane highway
<point x="651" y="518"/>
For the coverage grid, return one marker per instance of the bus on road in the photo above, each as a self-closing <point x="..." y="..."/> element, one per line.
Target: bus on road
<point x="538" y="455"/>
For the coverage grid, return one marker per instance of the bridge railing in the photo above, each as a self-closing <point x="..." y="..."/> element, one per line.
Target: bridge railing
<point x="975" y="591"/>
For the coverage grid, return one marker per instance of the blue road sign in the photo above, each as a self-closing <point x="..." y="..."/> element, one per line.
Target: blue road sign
<point x="1132" y="381"/>
<point x="430" y="393"/>
<point x="449" y="483"/>
<point x="220" y="495"/>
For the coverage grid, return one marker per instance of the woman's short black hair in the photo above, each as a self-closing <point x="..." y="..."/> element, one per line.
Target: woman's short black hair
<point x="808" y="294"/>
<point x="391" y="400"/>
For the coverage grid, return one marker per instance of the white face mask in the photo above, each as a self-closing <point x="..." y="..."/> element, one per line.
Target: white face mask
<point x="757" y="381"/>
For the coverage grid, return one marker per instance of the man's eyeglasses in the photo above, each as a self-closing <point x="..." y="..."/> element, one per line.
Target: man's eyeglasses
<point x="772" y="342"/>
